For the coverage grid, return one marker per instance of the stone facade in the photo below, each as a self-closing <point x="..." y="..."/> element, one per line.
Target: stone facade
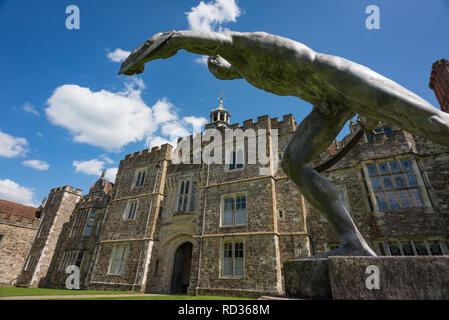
<point x="18" y="226"/>
<point x="227" y="229"/>
<point x="78" y="241"/>
<point x="55" y="213"/>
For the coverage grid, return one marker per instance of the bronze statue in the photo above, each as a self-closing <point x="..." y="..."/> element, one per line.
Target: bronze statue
<point x="337" y="88"/>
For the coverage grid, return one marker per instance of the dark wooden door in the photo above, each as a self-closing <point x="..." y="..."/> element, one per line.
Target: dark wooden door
<point x="181" y="268"/>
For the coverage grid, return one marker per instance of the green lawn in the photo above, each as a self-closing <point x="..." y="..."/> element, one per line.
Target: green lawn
<point x="165" y="298"/>
<point x="21" y="292"/>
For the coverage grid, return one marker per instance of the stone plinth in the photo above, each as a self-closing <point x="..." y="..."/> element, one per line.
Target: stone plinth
<point x="307" y="279"/>
<point x="352" y="278"/>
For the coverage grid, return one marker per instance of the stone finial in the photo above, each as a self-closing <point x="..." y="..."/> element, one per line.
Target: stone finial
<point x="103" y="174"/>
<point x="44" y="201"/>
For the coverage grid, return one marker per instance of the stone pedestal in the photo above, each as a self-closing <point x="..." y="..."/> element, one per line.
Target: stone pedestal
<point x="355" y="278"/>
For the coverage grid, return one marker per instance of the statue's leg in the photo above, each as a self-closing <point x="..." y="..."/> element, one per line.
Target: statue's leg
<point x="313" y="136"/>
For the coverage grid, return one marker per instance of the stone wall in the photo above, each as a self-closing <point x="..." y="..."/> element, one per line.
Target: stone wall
<point x="18" y="235"/>
<point x="56" y="213"/>
<point x="137" y="234"/>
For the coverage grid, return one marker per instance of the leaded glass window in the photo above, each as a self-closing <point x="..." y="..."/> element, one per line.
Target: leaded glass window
<point x="233" y="260"/>
<point x="234" y="210"/>
<point x="395" y="184"/>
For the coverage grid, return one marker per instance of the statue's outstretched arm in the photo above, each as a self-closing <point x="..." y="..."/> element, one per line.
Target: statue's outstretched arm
<point x="165" y="45"/>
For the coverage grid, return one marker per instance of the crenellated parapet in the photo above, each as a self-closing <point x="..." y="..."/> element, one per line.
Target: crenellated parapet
<point x="19" y="221"/>
<point x="153" y="155"/>
<point x="67" y="189"/>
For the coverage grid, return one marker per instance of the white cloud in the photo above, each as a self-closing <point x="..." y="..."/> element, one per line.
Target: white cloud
<point x="118" y="55"/>
<point x="36" y="164"/>
<point x="156" y="141"/>
<point x="174" y="129"/>
<point x="29" y="108"/>
<point x="196" y="123"/>
<point x="95" y="167"/>
<point x="111" y="174"/>
<point x="111" y="120"/>
<point x="202" y="60"/>
<point x="40" y="135"/>
<point x="11" y="147"/>
<point x="210" y="16"/>
<point x="12" y="191"/>
<point x="92" y="167"/>
<point x="105" y="119"/>
<point x="164" y="111"/>
<point x="107" y="159"/>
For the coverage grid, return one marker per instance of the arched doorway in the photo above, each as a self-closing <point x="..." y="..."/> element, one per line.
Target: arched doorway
<point x="181" y="268"/>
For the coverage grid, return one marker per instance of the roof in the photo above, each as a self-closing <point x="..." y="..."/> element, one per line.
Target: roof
<point x="17" y="209"/>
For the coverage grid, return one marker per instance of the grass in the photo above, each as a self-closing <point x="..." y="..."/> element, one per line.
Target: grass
<point x="22" y="292"/>
<point x="163" y="297"/>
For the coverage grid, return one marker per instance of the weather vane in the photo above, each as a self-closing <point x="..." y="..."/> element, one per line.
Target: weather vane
<point x="221" y="96"/>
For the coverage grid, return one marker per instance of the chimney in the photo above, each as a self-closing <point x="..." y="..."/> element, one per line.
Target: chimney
<point x="439" y="83"/>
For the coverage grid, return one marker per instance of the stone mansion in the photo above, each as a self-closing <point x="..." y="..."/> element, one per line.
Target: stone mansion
<point x="225" y="229"/>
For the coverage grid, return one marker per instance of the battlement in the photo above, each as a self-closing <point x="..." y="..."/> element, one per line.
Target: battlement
<point x="67" y="189"/>
<point x="159" y="153"/>
<point x="153" y="155"/>
<point x="20" y="221"/>
<point x="287" y="125"/>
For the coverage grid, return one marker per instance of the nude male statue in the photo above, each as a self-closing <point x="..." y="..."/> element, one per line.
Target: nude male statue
<point x="337" y="88"/>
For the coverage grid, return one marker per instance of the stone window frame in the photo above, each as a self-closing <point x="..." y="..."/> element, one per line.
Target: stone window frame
<point x="30" y="262"/>
<point x="156" y="268"/>
<point x="89" y="223"/>
<point x="221" y="261"/>
<point x="126" y="216"/>
<point x="120" y="269"/>
<point x="42" y="230"/>
<point x="71" y="257"/>
<point x="187" y="198"/>
<point x="370" y="192"/>
<point x="383" y="246"/>
<point x="231" y="152"/>
<point x="344" y="190"/>
<point x="234" y="196"/>
<point x="139" y="182"/>
<point x="80" y="222"/>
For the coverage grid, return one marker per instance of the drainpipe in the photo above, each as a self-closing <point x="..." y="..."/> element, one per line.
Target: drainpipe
<point x="202" y="231"/>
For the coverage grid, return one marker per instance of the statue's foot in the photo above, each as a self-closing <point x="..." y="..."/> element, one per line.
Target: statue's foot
<point x="346" y="251"/>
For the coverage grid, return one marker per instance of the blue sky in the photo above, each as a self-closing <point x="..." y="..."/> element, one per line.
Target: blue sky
<point x="66" y="114"/>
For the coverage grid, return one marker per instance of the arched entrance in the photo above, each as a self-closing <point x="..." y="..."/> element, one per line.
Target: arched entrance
<point x="181" y="268"/>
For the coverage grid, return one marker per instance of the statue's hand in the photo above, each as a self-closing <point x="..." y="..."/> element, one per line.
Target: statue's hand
<point x="157" y="47"/>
